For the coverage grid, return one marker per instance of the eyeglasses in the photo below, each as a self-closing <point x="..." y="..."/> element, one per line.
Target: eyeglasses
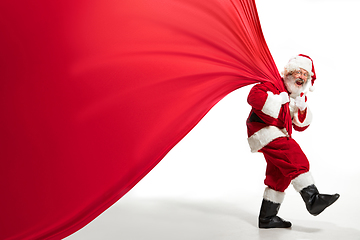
<point x="299" y="72"/>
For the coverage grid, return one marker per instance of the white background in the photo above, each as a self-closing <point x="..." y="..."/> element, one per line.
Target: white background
<point x="210" y="186"/>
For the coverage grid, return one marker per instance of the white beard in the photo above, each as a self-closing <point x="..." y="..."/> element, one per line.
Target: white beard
<point x="294" y="89"/>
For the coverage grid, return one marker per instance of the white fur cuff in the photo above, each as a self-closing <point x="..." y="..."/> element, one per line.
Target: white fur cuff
<point x="273" y="196"/>
<point x="302" y="181"/>
<point x="272" y="105"/>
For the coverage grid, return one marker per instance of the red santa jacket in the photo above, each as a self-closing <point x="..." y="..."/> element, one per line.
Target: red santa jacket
<point x="266" y="120"/>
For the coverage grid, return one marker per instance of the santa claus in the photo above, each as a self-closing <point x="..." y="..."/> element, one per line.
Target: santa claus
<point x="286" y="162"/>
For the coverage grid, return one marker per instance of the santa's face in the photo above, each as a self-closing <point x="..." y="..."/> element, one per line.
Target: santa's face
<point x="296" y="82"/>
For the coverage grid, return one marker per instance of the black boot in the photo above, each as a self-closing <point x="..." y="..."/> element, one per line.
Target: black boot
<point x="316" y="202"/>
<point x="268" y="218"/>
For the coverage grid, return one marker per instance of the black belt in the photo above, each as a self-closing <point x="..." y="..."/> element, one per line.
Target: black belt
<point x="255" y="118"/>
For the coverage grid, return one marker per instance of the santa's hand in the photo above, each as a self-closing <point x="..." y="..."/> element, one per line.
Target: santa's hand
<point x="284" y="97"/>
<point x="274" y="103"/>
<point x="300" y="102"/>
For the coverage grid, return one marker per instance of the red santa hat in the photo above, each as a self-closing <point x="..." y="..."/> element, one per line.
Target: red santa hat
<point x="304" y="62"/>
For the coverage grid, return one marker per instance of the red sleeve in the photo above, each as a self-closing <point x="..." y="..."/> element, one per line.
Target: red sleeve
<point x="300" y="129"/>
<point x="302" y="116"/>
<point x="257" y="96"/>
<point x="301" y="125"/>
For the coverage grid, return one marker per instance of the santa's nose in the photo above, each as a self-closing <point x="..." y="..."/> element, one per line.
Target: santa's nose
<point x="303" y="77"/>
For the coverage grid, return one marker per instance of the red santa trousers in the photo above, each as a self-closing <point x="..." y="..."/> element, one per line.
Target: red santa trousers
<point x="285" y="161"/>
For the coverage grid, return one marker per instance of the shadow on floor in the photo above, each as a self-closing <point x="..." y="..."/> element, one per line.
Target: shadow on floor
<point x="139" y="219"/>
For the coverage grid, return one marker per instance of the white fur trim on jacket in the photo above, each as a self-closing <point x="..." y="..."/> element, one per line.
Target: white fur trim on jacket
<point x="264" y="136"/>
<point x="273" y="196"/>
<point x="307" y="120"/>
<point x="302" y="181"/>
<point x="272" y="105"/>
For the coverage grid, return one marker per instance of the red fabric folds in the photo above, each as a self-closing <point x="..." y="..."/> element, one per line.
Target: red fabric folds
<point x="95" y="93"/>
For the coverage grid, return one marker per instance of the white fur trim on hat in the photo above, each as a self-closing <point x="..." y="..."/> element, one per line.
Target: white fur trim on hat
<point x="302" y="181"/>
<point x="299" y="62"/>
<point x="273" y="196"/>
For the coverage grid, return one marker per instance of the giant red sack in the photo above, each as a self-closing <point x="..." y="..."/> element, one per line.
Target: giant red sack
<point x="95" y="93"/>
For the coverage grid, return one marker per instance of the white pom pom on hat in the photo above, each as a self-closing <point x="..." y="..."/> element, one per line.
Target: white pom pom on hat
<point x="304" y="62"/>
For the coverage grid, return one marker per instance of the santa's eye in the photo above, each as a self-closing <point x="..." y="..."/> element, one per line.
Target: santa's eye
<point x="301" y="73"/>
